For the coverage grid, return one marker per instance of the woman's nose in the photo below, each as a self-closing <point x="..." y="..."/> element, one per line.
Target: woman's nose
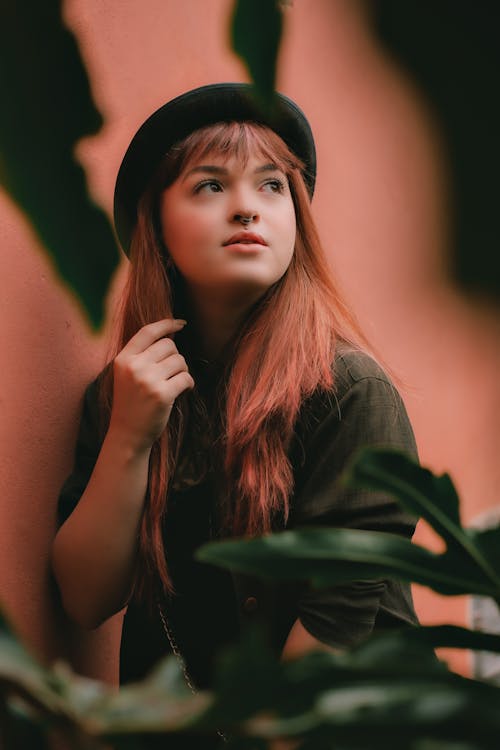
<point x="243" y="207"/>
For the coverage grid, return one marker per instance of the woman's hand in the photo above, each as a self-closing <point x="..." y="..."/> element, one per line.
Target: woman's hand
<point x="149" y="374"/>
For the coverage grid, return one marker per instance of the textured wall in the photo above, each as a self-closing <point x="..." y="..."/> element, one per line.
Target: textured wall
<point x="379" y="206"/>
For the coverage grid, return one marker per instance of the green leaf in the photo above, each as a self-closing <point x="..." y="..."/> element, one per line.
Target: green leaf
<point x="488" y="543"/>
<point x="435" y="708"/>
<point x="159" y="703"/>
<point x="452" y="636"/>
<point x="327" y="556"/>
<point x="80" y="706"/>
<point x="290" y="689"/>
<point x="388" y="692"/>
<point x="431" y="497"/>
<point x="48" y="108"/>
<point x="256" y="28"/>
<point x="396" y="712"/>
<point x="21" y="674"/>
<point x="421" y="492"/>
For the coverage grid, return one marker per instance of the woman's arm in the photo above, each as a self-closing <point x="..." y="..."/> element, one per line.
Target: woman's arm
<point x="367" y="410"/>
<point x="95" y="551"/>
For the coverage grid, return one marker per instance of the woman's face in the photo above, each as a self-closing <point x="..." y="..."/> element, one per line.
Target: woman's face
<point x="213" y="250"/>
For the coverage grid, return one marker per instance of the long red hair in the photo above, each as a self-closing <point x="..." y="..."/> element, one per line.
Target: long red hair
<point x="282" y="354"/>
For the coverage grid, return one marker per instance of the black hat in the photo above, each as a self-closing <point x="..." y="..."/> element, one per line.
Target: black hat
<point x="219" y="102"/>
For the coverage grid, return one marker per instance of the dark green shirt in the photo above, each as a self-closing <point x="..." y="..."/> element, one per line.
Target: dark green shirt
<point x="211" y="605"/>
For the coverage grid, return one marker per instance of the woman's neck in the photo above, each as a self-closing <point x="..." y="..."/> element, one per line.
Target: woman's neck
<point x="215" y="320"/>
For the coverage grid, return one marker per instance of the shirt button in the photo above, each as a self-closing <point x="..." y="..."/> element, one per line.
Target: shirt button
<point x="250" y="604"/>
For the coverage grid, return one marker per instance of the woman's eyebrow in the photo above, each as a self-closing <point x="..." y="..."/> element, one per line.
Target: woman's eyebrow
<point x="268" y="168"/>
<point x="213" y="169"/>
<point x="206" y="168"/>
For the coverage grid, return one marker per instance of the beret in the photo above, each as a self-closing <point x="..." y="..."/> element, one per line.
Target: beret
<point x="178" y="118"/>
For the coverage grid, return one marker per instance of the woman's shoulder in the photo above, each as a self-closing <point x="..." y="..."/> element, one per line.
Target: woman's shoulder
<point x="352" y="365"/>
<point x="362" y="407"/>
<point x="361" y="390"/>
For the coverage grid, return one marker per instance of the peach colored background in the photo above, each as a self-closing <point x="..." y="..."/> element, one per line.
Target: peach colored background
<point x="380" y="207"/>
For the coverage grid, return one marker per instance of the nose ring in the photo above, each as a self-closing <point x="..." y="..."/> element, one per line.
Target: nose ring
<point x="246" y="220"/>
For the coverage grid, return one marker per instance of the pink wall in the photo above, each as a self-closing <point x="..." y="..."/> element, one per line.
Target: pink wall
<point x="379" y="206"/>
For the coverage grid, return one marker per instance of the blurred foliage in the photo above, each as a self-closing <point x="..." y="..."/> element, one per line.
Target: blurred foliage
<point x="48" y="107"/>
<point x="451" y="51"/>
<point x="256" y="28"/>
<point x="390" y="691"/>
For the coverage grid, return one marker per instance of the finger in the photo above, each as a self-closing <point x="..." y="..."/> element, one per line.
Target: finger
<point x="180" y="382"/>
<point x="171" y="366"/>
<point x="150" y="333"/>
<point x="175" y="385"/>
<point x="162" y="348"/>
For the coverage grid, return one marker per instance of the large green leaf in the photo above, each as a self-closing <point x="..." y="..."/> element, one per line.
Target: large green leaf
<point x="327" y="556"/>
<point x="422" y="493"/>
<point x="47" y="108"/>
<point x="487" y="542"/>
<point x="432" y="498"/>
<point x="256" y="28"/>
<point x="452" y="636"/>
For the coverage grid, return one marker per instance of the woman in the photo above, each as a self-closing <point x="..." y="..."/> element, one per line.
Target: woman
<point x="241" y="421"/>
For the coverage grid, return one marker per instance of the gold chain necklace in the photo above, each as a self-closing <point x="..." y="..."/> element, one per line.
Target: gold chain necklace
<point x="180" y="658"/>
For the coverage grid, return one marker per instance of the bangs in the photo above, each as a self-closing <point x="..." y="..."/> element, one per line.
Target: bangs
<point x="240" y="140"/>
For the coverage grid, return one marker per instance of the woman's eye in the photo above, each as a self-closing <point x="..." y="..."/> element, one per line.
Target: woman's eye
<point x="208" y="186"/>
<point x="274" y="186"/>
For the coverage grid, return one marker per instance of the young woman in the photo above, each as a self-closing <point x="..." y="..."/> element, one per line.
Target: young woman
<point x="237" y="423"/>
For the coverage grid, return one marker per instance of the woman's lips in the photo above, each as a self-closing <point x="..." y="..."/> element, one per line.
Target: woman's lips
<point x="241" y="239"/>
